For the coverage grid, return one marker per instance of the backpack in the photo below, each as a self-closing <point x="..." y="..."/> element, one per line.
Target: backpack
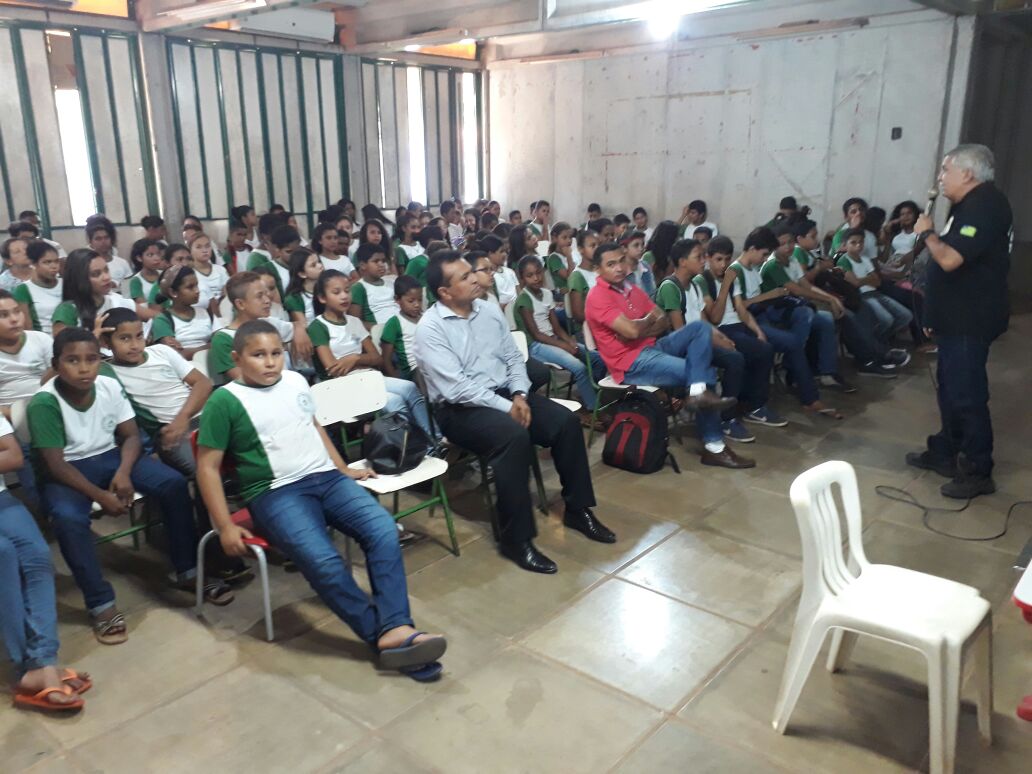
<point x="393" y="445"/>
<point x="638" y="439"/>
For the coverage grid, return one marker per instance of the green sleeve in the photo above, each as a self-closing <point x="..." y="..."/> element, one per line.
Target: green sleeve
<point x="670" y="297"/>
<point x="555" y="263"/>
<point x="844" y="263"/>
<point x="256" y="259"/>
<point x="66" y="314"/>
<point x="417" y="268"/>
<point x="358" y="296"/>
<point x="649" y="258"/>
<point x="681" y="229"/>
<point x="23" y="296"/>
<point x="294" y="303"/>
<point x="522" y="302"/>
<point x="802" y="257"/>
<point x="740" y="274"/>
<point x="219" y="358"/>
<point x="152" y="297"/>
<point x="702" y="285"/>
<point x="45" y="423"/>
<point x="318" y="334"/>
<point x="773" y="276"/>
<point x="135" y="288"/>
<point x="838" y="238"/>
<point x="217" y="420"/>
<point x="392" y="332"/>
<point x="578" y="283"/>
<point x="162" y="327"/>
<point x="227" y="259"/>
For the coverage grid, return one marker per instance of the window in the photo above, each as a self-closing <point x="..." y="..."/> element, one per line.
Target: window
<point x="76" y="155"/>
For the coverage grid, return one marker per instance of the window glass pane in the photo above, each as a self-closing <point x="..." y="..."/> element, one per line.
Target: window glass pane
<point x="470" y="146"/>
<point x="73" y="148"/>
<point x="417" y="154"/>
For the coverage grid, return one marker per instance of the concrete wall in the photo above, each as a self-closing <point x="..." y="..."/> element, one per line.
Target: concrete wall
<point x="738" y="124"/>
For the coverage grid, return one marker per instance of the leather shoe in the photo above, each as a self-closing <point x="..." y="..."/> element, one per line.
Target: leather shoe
<point x="527" y="557"/>
<point x="925" y="460"/>
<point x="709" y="400"/>
<point x="967" y="487"/>
<point x="726" y="459"/>
<point x="584" y="521"/>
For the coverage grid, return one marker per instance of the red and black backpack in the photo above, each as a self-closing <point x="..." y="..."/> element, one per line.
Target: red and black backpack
<point x="638" y="439"/>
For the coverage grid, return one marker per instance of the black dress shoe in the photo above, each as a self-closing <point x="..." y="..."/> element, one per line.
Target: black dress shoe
<point x="726" y="459"/>
<point x="527" y="557"/>
<point x="709" y="400"/>
<point x="927" y="461"/>
<point x="584" y="521"/>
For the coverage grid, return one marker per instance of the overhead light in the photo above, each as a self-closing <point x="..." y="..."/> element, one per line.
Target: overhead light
<point x="663" y="16"/>
<point x="205" y="10"/>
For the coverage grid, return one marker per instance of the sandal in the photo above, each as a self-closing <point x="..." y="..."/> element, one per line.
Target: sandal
<point x="825" y="411"/>
<point x="218" y="593"/>
<point x="413" y="654"/>
<point x="69" y="676"/>
<point x="40" y="700"/>
<point x="424" y="673"/>
<point x="111" y="631"/>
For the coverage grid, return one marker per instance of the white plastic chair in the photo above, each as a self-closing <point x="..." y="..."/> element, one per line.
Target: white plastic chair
<point x="376" y="334"/>
<point x="938" y="617"/>
<point x="200" y="362"/>
<point x="520" y="339"/>
<point x="607" y="382"/>
<point x="365" y="392"/>
<point x="510" y="315"/>
<point x="226" y="310"/>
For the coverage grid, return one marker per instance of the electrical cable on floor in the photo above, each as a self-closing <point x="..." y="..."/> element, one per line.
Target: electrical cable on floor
<point x="902" y="496"/>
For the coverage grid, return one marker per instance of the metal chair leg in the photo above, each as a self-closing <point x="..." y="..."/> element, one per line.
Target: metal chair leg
<point x="439" y="492"/>
<point x="199" y="601"/>
<point x="263" y="574"/>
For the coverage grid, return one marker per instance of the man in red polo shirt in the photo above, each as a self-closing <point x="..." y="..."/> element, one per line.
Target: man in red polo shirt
<point x="625" y="324"/>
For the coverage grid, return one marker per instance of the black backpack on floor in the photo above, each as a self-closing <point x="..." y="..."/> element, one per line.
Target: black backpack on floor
<point x="638" y="439"/>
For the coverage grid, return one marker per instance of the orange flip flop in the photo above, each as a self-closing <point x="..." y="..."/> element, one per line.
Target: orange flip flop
<point x="39" y="701"/>
<point x="70" y="675"/>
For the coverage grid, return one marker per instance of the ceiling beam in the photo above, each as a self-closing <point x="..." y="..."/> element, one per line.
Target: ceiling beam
<point x="163" y="16"/>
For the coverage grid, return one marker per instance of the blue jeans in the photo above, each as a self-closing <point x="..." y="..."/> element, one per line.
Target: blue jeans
<point x="792" y="344"/>
<point x="27" y="477"/>
<point x="963" y="394"/>
<point x="404" y="396"/>
<point x="547" y="353"/>
<point x="825" y="338"/>
<point x="681" y="359"/>
<point x="28" y="609"/>
<point x="759" y="357"/>
<point x="888" y="316"/>
<point x="69" y="510"/>
<point x="294" y="518"/>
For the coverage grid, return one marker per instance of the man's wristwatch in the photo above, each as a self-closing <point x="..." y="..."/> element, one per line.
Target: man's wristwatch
<point x="519" y="394"/>
<point x="923" y="236"/>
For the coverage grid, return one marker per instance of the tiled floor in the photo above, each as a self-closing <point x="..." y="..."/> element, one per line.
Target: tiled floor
<point x="661" y="653"/>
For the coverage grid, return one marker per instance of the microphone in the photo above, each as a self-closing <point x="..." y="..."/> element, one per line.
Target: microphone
<point x="933" y="194"/>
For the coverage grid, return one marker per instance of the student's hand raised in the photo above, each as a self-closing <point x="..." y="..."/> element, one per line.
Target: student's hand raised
<point x="232" y="540"/>
<point x="99" y="329"/>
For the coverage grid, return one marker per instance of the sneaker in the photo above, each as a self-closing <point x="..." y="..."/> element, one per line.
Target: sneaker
<point x="897" y="357"/>
<point x="881" y="370"/>
<point x="765" y="416"/>
<point x="835" y="382"/>
<point x="736" y="431"/>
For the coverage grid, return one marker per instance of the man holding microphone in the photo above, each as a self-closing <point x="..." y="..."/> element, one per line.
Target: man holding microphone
<point x="966" y="308"/>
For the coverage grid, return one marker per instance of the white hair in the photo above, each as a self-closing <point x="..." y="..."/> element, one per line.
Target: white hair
<point x="977" y="158"/>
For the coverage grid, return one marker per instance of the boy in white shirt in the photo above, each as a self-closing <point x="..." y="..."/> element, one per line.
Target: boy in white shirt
<point x="41" y="295"/>
<point x="101" y="238"/>
<point x="296" y="485"/>
<point x="372" y="297"/>
<point x="88" y="447"/>
<point x="885" y="315"/>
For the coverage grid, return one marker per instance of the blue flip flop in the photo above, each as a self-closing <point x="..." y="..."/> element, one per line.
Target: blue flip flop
<point x="412" y="653"/>
<point x="425" y="673"/>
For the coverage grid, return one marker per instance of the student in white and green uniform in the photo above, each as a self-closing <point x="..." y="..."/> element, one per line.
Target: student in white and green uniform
<point x="296" y="485"/>
<point x="251" y="301"/>
<point x="88" y="450"/>
<point x="41" y="295"/>
<point x="397" y="343"/>
<point x="372" y="297"/>
<point x="182" y="326"/>
<point x="884" y="315"/>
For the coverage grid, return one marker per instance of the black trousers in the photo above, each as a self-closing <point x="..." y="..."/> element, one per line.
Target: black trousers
<point x="967" y="429"/>
<point x="508" y="448"/>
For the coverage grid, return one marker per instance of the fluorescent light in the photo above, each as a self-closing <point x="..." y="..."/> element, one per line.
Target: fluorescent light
<point x="204" y="10"/>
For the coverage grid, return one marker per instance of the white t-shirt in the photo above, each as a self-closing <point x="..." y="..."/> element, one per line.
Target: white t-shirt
<point x="86" y="433"/>
<point x="9" y="282"/>
<point x="590" y="277"/>
<point x="505" y="282"/>
<point x="689" y="231"/>
<point x="342" y="338"/>
<point x="119" y="269"/>
<point x="860" y="269"/>
<point x="380" y="299"/>
<point x="342" y="264"/>
<point x="750" y="277"/>
<point x="411" y="251"/>
<point x="5" y="430"/>
<point x="210" y="286"/>
<point x="189" y="333"/>
<point x="156" y="386"/>
<point x="540" y="308"/>
<point x="20" y="373"/>
<point x="903" y="242"/>
<point x="44" y="302"/>
<point x="730" y="314"/>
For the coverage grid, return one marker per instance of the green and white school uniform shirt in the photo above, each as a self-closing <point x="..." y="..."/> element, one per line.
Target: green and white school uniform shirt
<point x="41" y="302"/>
<point x="555" y="263"/>
<point x="730" y="314"/>
<point x="582" y="280"/>
<point x="773" y="275"/>
<point x="119" y="269"/>
<point x="804" y="258"/>
<point x="66" y="313"/>
<point x="220" y="358"/>
<point x="155" y="387"/>
<point x="540" y="310"/>
<point x="140" y="287"/>
<point x="257" y="258"/>
<point x="376" y="301"/>
<point x="268" y="431"/>
<point x="860" y="268"/>
<point x="400" y="333"/>
<point x="210" y="285"/>
<point x="81" y="432"/>
<point x="20" y="372"/>
<point x="343" y="338"/>
<point x="416" y="268"/>
<point x="505" y="285"/>
<point x="341" y="263"/>
<point x="870" y="250"/>
<point x="302" y="302"/>
<point x="749" y="280"/>
<point x="190" y="332"/>
<point x="689" y="301"/>
<point x="404" y="253"/>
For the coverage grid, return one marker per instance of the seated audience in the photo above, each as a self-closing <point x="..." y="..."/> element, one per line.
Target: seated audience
<point x="625" y="324"/>
<point x="17" y="266"/>
<point x="234" y="257"/>
<point x="692" y="217"/>
<point x="182" y="325"/>
<point x="560" y="255"/>
<point x="887" y="317"/>
<point x="305" y="268"/>
<point x="397" y="343"/>
<point x="583" y="278"/>
<point x="251" y="301"/>
<point x="87" y="293"/>
<point x="478" y="383"/>
<point x="372" y="297"/>
<point x="42" y="294"/>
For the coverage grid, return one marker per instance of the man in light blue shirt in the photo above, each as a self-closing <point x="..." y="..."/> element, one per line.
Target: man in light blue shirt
<point x="477" y="381"/>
